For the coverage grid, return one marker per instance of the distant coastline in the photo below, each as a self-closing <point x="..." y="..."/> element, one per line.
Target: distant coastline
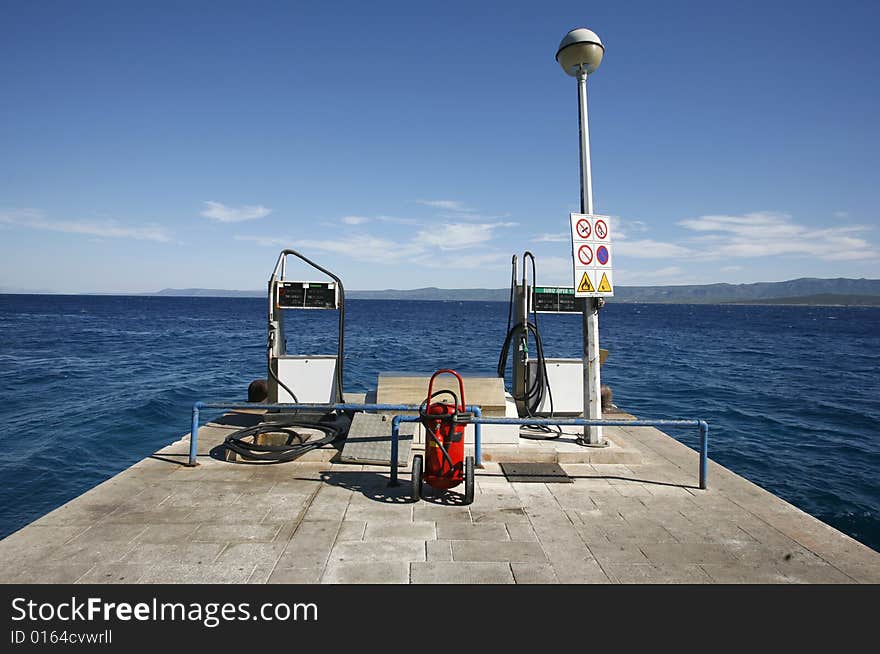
<point x="804" y="291"/>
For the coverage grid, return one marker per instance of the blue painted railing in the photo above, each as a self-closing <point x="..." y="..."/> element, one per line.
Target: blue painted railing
<point x="199" y="406"/>
<point x="477" y="420"/>
<point x="581" y="422"/>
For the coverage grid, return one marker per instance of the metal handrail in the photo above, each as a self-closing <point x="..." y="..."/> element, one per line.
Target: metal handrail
<point x="580" y="422"/>
<point x="478" y="420"/>
<point x="198" y="406"/>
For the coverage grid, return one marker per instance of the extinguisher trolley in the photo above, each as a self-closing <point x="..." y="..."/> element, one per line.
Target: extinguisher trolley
<point x="444" y="465"/>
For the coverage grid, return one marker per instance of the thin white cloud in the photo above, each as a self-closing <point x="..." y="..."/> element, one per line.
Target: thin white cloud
<point x="647" y="248"/>
<point x="364" y="247"/>
<point x="267" y="241"/>
<point x="622" y="227"/>
<point x="469" y="260"/>
<point x="449" y="205"/>
<point x="221" y="213"/>
<point x="458" y="236"/>
<point x="354" y="220"/>
<point x="398" y="221"/>
<point x="764" y="234"/>
<point x="361" y="247"/>
<point x="553" y="270"/>
<point x="559" y="237"/>
<point x="35" y="219"/>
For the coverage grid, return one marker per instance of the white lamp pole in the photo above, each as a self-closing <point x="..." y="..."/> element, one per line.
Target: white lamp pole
<point x="579" y="54"/>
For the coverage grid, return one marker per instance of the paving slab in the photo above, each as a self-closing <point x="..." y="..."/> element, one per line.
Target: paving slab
<point x="500" y="551"/>
<point x="438" y="550"/>
<point x="420" y="531"/>
<point x="379" y="550"/>
<point x="232" y="533"/>
<point x="294" y="576"/>
<point x="374" y="572"/>
<point x="534" y="573"/>
<point x="480" y="531"/>
<point x="455" y="572"/>
<point x="195" y="573"/>
<point x="115" y="573"/>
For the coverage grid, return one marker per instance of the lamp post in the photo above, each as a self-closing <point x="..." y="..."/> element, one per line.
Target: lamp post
<point x="580" y="54"/>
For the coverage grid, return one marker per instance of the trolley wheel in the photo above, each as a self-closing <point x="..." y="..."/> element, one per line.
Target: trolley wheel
<point x="469" y="480"/>
<point x="417" y="468"/>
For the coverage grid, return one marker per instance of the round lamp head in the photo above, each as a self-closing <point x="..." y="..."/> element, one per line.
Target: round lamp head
<point x="580" y="50"/>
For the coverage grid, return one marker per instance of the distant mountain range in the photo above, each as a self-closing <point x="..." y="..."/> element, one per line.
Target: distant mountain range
<point x="806" y="290"/>
<point x="205" y="292"/>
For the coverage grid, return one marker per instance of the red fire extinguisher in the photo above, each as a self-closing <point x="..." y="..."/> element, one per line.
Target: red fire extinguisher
<point x="444" y="465"/>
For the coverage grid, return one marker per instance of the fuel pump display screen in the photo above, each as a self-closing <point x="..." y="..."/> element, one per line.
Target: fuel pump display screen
<point x="307" y="295"/>
<point x="556" y="299"/>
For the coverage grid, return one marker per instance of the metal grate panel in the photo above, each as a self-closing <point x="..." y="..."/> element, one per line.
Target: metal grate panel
<point x="369" y="441"/>
<point x="543" y="473"/>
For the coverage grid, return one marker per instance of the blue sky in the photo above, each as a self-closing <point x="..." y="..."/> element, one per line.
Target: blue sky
<point x="408" y="144"/>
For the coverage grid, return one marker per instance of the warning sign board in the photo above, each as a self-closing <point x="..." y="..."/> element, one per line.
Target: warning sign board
<point x="591" y="255"/>
<point x="585" y="254"/>
<point x="604" y="285"/>
<point x="586" y="284"/>
<point x="583" y="228"/>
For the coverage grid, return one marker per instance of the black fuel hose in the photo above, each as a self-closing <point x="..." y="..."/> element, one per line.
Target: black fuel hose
<point x="274" y="376"/>
<point x="535" y="388"/>
<point x="243" y="442"/>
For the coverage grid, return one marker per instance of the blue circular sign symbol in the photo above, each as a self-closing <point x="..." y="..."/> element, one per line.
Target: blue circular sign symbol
<point x="602" y="254"/>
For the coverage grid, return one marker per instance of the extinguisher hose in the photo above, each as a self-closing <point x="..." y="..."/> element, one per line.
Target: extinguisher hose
<point x="439" y="444"/>
<point x="427" y="417"/>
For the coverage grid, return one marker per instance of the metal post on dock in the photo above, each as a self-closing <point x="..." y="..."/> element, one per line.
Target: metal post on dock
<point x="194" y="434"/>
<point x="579" y="54"/>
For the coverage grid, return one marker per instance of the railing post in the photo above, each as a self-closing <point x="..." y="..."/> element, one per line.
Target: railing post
<point x="395" y="434"/>
<point x="194" y="435"/>
<point x="478" y="438"/>
<point x="704" y="452"/>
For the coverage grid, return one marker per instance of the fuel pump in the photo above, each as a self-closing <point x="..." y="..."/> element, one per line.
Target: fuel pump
<point x="295" y="378"/>
<point x="541" y="386"/>
<point x="300" y="378"/>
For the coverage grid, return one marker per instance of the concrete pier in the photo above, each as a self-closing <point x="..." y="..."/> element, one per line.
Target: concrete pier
<point x="636" y="519"/>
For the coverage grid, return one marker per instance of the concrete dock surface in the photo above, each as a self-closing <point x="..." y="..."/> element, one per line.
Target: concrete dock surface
<point x="313" y="521"/>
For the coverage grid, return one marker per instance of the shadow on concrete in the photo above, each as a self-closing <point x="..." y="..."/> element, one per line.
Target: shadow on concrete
<point x="177" y="459"/>
<point x="233" y="419"/>
<point x="372" y="485"/>
<point x="651" y="482"/>
<point x="447" y="497"/>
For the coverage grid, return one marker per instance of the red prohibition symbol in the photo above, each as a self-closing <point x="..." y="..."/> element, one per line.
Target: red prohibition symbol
<point x="585" y="255"/>
<point x="601" y="229"/>
<point x="583" y="228"/>
<point x="602" y="254"/>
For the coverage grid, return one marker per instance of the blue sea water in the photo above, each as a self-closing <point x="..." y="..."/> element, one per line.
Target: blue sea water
<point x="91" y="384"/>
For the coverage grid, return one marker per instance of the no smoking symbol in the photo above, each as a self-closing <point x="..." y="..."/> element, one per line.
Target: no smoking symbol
<point x="601" y="229"/>
<point x="583" y="228"/>
<point x="585" y="255"/>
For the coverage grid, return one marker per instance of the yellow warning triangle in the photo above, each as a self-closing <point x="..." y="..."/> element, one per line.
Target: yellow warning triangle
<point x="586" y="286"/>
<point x="604" y="286"/>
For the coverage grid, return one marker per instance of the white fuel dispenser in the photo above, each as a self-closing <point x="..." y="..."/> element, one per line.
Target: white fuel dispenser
<point x="303" y="378"/>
